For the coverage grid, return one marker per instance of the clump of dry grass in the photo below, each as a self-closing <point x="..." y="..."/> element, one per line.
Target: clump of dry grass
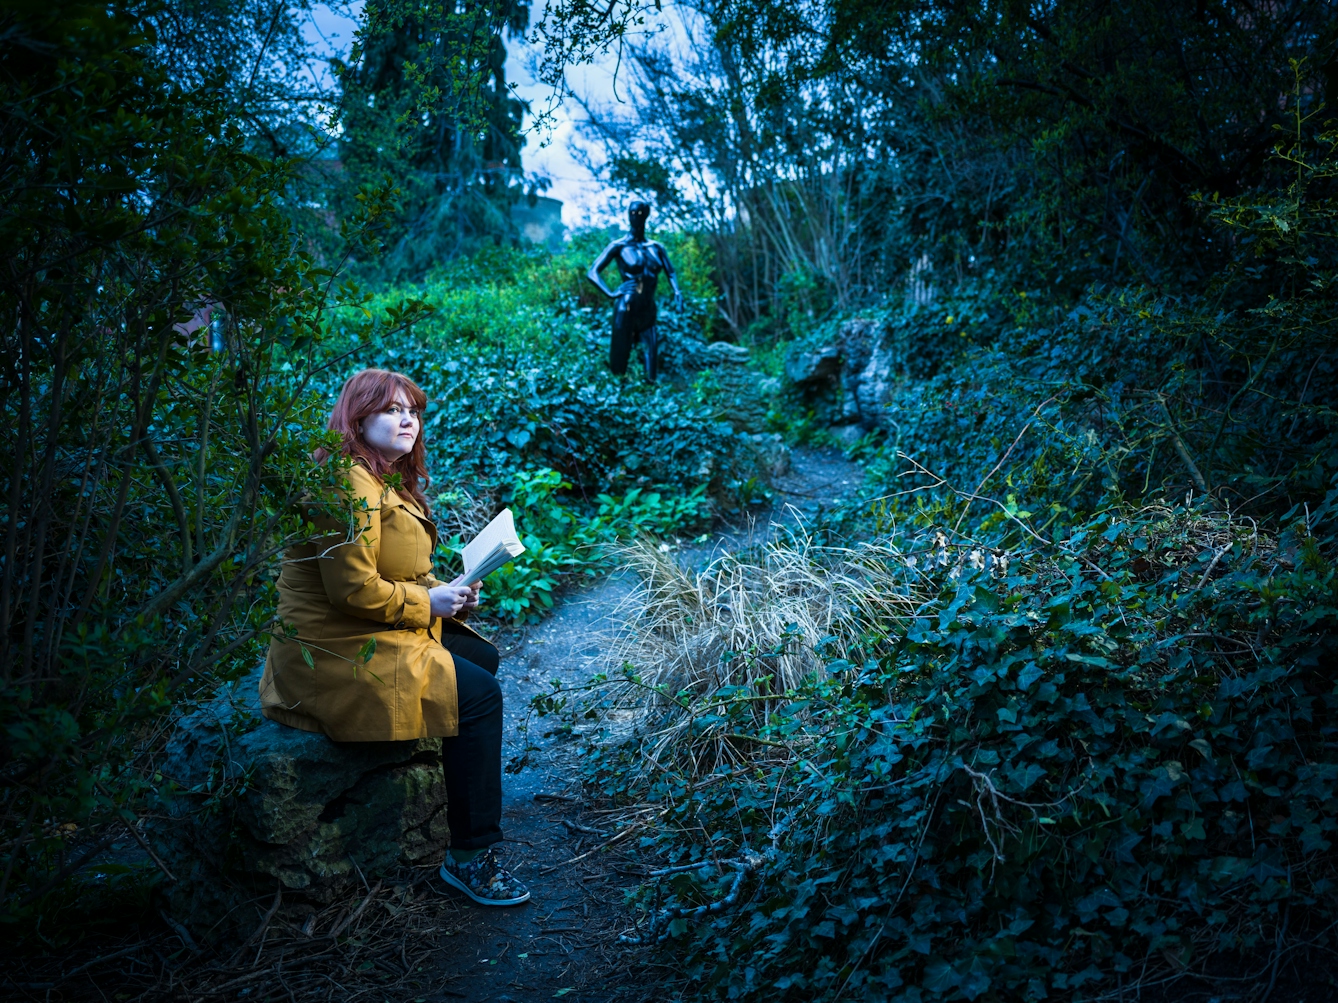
<point x="463" y="513"/>
<point x="756" y="618"/>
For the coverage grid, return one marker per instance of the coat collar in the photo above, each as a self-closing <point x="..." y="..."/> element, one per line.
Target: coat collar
<point x="390" y="498"/>
<point x="393" y="499"/>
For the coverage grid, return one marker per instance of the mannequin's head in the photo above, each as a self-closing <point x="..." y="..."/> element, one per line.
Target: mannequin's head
<point x="637" y="214"/>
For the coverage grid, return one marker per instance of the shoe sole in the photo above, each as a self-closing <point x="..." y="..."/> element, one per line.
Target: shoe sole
<point x="459" y="885"/>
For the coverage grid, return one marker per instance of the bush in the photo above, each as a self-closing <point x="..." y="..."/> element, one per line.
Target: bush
<point x="1051" y="710"/>
<point x="158" y="418"/>
<point x="1076" y="766"/>
<point x="560" y="540"/>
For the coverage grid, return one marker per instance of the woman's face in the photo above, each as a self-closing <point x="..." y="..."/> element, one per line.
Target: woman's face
<point x="393" y="432"/>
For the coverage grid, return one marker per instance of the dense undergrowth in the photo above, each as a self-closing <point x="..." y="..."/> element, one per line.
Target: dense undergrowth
<point x="1102" y="762"/>
<point x="1051" y="711"/>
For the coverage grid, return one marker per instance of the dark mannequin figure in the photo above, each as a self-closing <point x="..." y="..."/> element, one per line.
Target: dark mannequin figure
<point x="640" y="262"/>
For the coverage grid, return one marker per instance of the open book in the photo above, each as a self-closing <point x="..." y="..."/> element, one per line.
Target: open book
<point x="493" y="547"/>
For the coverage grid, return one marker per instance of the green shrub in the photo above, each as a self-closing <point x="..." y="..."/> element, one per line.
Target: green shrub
<point x="161" y="343"/>
<point x="563" y="541"/>
<point x="1094" y="763"/>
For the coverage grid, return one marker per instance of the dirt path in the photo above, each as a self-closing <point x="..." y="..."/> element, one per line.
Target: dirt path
<point x="564" y="943"/>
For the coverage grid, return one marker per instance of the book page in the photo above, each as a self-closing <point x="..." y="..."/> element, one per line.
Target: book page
<point x="495" y="545"/>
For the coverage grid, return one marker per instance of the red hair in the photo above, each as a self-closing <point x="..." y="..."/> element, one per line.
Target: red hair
<point x="371" y="392"/>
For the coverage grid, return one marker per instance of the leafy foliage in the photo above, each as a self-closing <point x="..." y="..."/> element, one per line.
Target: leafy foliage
<point x="562" y="539"/>
<point x="1131" y="394"/>
<point x="1038" y="780"/>
<point x="1077" y="737"/>
<point x="160" y="339"/>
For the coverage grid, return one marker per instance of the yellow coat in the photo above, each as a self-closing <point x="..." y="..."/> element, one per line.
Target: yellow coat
<point x="338" y="595"/>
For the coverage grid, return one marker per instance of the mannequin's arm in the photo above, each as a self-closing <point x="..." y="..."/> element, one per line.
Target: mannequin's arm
<point x="673" y="276"/>
<point x="602" y="262"/>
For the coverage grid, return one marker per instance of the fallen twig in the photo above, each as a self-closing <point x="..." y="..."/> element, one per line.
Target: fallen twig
<point x="355" y="914"/>
<point x="607" y="843"/>
<point x="186" y="939"/>
<point x="264" y="924"/>
<point x="573" y="827"/>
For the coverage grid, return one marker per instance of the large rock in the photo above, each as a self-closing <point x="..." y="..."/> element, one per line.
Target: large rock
<point x="814" y="366"/>
<point x="848" y="378"/>
<point x="861" y="395"/>
<point x="263" y="806"/>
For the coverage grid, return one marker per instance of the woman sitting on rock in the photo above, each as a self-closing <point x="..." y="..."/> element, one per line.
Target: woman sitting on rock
<point x="375" y="648"/>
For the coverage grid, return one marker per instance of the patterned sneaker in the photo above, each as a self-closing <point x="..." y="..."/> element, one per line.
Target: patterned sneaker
<point x="484" y="880"/>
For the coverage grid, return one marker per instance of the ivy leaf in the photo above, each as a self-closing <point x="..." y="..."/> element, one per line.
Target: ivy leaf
<point x="366" y="652"/>
<point x="1029" y="674"/>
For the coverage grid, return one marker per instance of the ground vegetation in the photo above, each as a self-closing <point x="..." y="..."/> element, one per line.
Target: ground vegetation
<point x="1032" y="719"/>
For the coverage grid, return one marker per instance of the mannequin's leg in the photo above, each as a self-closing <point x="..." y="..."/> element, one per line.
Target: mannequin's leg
<point x="650" y="346"/>
<point x="621" y="345"/>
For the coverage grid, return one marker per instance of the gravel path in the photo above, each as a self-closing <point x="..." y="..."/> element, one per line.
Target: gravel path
<point x="564" y="943"/>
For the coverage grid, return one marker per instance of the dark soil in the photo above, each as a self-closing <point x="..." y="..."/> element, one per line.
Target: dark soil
<point x="566" y="938"/>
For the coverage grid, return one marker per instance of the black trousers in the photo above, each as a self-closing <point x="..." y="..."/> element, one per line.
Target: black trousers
<point x="473" y="759"/>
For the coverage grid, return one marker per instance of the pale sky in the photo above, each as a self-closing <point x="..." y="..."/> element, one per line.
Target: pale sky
<point x="586" y="200"/>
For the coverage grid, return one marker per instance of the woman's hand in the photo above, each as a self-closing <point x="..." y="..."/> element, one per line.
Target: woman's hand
<point x="472" y="603"/>
<point x="448" y="600"/>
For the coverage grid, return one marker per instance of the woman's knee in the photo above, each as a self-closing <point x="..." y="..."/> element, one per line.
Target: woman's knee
<point x="482" y="653"/>
<point x="478" y="692"/>
<point x="485" y="656"/>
